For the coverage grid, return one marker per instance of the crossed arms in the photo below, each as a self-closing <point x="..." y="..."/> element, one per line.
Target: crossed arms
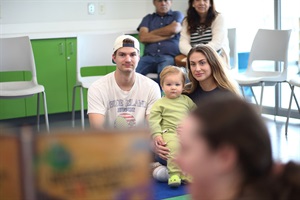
<point x="160" y="34"/>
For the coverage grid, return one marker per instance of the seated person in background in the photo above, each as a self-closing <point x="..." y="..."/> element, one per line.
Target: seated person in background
<point x="123" y="98"/>
<point x="166" y="113"/>
<point x="226" y="148"/>
<point x="160" y="34"/>
<point x="204" y="25"/>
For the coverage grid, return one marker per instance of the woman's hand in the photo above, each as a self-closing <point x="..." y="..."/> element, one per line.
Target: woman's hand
<point x="160" y="147"/>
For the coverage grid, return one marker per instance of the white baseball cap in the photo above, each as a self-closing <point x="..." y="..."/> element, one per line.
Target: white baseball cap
<point x="119" y="42"/>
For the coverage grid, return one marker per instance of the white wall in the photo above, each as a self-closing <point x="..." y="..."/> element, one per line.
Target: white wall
<point x="249" y="16"/>
<point x="38" y="11"/>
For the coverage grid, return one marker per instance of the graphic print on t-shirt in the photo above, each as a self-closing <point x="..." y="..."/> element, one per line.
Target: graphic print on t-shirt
<point x="127" y="111"/>
<point x="124" y="121"/>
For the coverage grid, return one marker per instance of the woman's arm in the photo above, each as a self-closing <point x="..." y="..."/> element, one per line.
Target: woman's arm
<point x="184" y="41"/>
<point x="160" y="147"/>
<point x="219" y="33"/>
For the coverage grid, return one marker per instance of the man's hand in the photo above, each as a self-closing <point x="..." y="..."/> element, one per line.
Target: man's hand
<point x="160" y="147"/>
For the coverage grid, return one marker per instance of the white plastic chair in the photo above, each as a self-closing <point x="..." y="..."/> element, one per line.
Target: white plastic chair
<point x="17" y="55"/>
<point x="153" y="76"/>
<point x="268" y="45"/>
<point x="293" y="82"/>
<point x="92" y="50"/>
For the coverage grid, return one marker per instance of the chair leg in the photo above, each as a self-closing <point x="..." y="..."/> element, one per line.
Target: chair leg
<point x="46" y="112"/>
<point x="242" y="89"/>
<point x="289" y="111"/>
<point x="82" y="107"/>
<point x="73" y="105"/>
<point x="276" y="108"/>
<point x="296" y="101"/>
<point x="261" y="96"/>
<point x="254" y="95"/>
<point x="38" y="112"/>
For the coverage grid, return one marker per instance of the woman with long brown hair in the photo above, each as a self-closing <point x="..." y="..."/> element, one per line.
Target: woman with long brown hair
<point x="207" y="73"/>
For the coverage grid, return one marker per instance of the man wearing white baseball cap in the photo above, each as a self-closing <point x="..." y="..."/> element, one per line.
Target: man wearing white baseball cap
<point x="123" y="98"/>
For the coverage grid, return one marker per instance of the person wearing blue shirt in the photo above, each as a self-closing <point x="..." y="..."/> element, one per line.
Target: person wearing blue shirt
<point x="160" y="33"/>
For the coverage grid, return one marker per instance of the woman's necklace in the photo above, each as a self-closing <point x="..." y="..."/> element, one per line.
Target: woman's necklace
<point x="201" y="29"/>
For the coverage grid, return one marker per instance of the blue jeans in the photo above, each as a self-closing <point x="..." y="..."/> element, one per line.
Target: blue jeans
<point x="154" y="64"/>
<point x="160" y="160"/>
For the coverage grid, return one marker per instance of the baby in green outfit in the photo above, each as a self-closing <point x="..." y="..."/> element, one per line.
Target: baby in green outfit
<point x="166" y="113"/>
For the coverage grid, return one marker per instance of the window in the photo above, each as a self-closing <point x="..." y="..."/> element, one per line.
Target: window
<point x="255" y="14"/>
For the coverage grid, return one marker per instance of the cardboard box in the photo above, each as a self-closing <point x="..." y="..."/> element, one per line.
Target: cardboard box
<point x="10" y="168"/>
<point x="93" y="166"/>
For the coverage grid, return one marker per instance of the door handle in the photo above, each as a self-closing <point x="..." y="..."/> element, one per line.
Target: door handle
<point x="61" y="48"/>
<point x="71" y="48"/>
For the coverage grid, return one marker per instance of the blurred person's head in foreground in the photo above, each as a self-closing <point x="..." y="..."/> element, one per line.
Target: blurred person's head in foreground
<point x="225" y="147"/>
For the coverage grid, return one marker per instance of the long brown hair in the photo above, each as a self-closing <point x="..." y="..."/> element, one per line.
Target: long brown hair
<point x="244" y="130"/>
<point x="193" y="18"/>
<point x="218" y="68"/>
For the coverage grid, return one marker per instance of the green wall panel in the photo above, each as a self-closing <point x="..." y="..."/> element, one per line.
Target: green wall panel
<point x="142" y="46"/>
<point x="12" y="108"/>
<point x="50" y="60"/>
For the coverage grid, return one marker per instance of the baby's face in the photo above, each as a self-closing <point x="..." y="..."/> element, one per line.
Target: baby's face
<point x="173" y="86"/>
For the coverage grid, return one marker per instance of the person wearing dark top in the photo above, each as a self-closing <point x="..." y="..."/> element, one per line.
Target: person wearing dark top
<point x="199" y="93"/>
<point x="207" y="73"/>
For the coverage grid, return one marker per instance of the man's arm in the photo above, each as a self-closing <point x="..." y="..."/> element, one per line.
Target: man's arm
<point x="160" y="34"/>
<point x="168" y="30"/>
<point x="147" y="37"/>
<point x="96" y="120"/>
<point x="97" y="95"/>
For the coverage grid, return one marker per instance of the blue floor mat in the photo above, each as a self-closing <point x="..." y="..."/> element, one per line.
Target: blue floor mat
<point x="163" y="191"/>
